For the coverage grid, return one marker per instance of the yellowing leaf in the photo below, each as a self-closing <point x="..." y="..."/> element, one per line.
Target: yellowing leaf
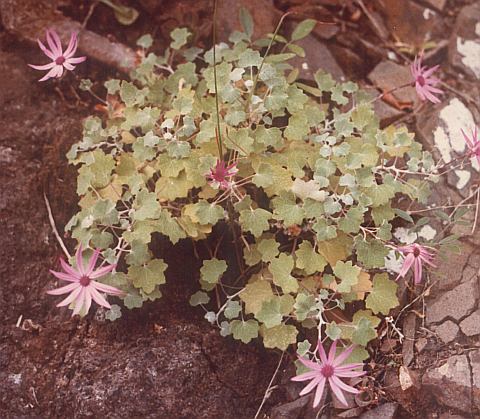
<point x="383" y="296"/>
<point x="280" y="336"/>
<point x="255" y="294"/>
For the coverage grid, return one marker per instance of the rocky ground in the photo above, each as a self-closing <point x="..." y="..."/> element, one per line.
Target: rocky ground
<point x="164" y="360"/>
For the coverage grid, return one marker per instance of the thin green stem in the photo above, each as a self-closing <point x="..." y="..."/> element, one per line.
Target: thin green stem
<point x="219" y="133"/>
<point x="255" y="80"/>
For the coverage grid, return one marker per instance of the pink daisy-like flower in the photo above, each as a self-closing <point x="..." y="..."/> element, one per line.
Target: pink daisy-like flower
<point x="416" y="255"/>
<point x="60" y="59"/>
<point x="219" y="174"/>
<point x="83" y="287"/>
<point x="329" y="369"/>
<point x="424" y="82"/>
<point x="473" y="143"/>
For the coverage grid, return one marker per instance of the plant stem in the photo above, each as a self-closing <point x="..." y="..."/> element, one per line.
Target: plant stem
<point x="219" y="133"/>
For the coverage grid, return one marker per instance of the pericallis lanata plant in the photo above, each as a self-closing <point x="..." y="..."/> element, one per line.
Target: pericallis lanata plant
<point x="300" y="177"/>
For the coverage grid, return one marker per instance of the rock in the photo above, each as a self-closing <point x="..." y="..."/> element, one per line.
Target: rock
<point x="475" y="366"/>
<point x="454" y="269"/>
<point x="409" y="333"/>
<point x="265" y="17"/>
<point x="447" y="331"/>
<point x="464" y="49"/>
<point x="410" y="22"/>
<point x="292" y="410"/>
<point x="471" y="325"/>
<point x="388" y="75"/>
<point x="318" y="57"/>
<point x="455" y="304"/>
<point x="450" y="383"/>
<point x="437" y="4"/>
<point x="420" y="344"/>
<point x="384" y="411"/>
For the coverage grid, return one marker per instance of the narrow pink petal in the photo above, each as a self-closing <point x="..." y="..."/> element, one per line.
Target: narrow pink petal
<point x="64" y="289"/>
<point x="420" y="91"/>
<point x="430" y="71"/>
<point x="332" y="352"/>
<point x="43" y="67"/>
<point x="63" y="276"/>
<point x="76" y="60"/>
<point x="432" y="89"/>
<point x="92" y="262"/>
<point x="306" y="376"/>
<point x="337" y="391"/>
<point x="68" y="66"/>
<point x="79" y="302"/>
<point x="467" y="139"/>
<point x="310" y="364"/>
<point x="350" y="373"/>
<point x="88" y="300"/>
<point x="344" y="386"/>
<point x="57" y="41"/>
<point x="348" y="367"/>
<point x="321" y="352"/>
<point x="431" y="97"/>
<point x="69" y="270"/>
<point x="98" y="298"/>
<point x="106" y="288"/>
<point x="102" y="271"/>
<point x="79" y="259"/>
<point x="50" y="75"/>
<point x="343" y="356"/>
<point x="71" y="297"/>
<point x="418" y="276"/>
<point x="59" y="71"/>
<point x="407" y="264"/>
<point x="319" y="392"/>
<point x="72" y="46"/>
<point x="46" y="51"/>
<point x="53" y="46"/>
<point x="309" y="387"/>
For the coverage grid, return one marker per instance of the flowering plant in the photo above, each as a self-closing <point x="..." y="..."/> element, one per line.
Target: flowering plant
<point x="300" y="174"/>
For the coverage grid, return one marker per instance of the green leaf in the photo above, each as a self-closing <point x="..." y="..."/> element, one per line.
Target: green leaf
<point x="303" y="347"/>
<point x="285" y="208"/>
<point x="85" y="85"/>
<point x="281" y="269"/>
<point x="146" y="205"/>
<point x="249" y="58"/>
<point x="348" y="275"/>
<point x="270" y="313"/>
<point x="280" y="336"/>
<point x="364" y="332"/>
<point x="133" y="301"/>
<point x="308" y="259"/>
<point x="383" y="296"/>
<point x="268" y="248"/>
<point x="112" y="86"/>
<point x="145" y="41"/>
<point x="297" y="127"/>
<point x="405" y="215"/>
<point x="255" y="221"/>
<point x="303" y="29"/>
<point x="114" y="313"/>
<point x="244" y="330"/>
<point x="304" y="305"/>
<point x="333" y="331"/>
<point x="246" y="21"/>
<point x="371" y="253"/>
<point x="255" y="294"/>
<point x="149" y="276"/>
<point x="199" y="298"/>
<point x="212" y="270"/>
<point x="179" y="36"/>
<point x="232" y="309"/>
<point x="208" y="213"/>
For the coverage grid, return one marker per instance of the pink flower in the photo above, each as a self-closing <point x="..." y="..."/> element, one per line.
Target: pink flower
<point x="330" y="370"/>
<point x="415" y="255"/>
<point x="83" y="287"/>
<point x="473" y="143"/>
<point x="60" y="59"/>
<point x="424" y="82"/>
<point x="219" y="174"/>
